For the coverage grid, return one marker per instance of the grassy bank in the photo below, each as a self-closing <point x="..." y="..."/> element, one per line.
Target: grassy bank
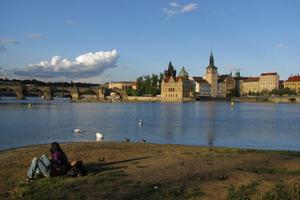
<point x="148" y="171"/>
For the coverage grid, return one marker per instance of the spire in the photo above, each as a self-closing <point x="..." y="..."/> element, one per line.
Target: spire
<point x="170" y="71"/>
<point x="211" y="59"/>
<point x="170" y="66"/>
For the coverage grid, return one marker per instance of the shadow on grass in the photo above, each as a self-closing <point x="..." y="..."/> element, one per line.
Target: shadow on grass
<point x="97" y="167"/>
<point x="128" y="160"/>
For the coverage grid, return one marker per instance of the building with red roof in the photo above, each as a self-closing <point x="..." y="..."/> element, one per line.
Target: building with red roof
<point x="293" y="82"/>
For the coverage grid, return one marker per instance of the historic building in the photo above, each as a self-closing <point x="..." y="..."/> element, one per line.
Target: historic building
<point x="122" y="85"/>
<point x="249" y="86"/>
<point x="226" y="86"/>
<point x="176" y="88"/>
<point x="212" y="76"/>
<point x="293" y="83"/>
<point x="202" y="87"/>
<point x="268" y="81"/>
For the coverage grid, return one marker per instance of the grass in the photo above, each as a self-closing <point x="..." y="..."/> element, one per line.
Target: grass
<point x="282" y="191"/>
<point x="272" y="171"/>
<point x="242" y="192"/>
<point x="155" y="172"/>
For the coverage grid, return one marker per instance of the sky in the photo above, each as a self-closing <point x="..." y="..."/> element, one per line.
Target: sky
<point x="120" y="40"/>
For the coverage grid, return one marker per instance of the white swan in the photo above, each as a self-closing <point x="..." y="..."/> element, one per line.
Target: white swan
<point x="141" y="122"/>
<point x="99" y="136"/>
<point x="77" y="130"/>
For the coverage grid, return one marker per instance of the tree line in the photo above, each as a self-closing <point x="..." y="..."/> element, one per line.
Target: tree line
<point x="148" y="85"/>
<point x="52" y="84"/>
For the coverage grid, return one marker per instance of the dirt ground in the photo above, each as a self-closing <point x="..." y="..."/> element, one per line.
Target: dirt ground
<point x="151" y="171"/>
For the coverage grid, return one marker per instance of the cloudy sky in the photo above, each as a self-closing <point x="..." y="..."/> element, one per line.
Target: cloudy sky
<point x="99" y="41"/>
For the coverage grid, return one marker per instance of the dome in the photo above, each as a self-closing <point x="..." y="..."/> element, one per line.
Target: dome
<point x="183" y="73"/>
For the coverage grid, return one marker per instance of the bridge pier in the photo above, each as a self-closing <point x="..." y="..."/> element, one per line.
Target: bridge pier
<point x="74" y="92"/>
<point x="47" y="92"/>
<point x="101" y="95"/>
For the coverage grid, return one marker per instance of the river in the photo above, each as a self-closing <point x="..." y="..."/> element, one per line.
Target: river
<point x="211" y="123"/>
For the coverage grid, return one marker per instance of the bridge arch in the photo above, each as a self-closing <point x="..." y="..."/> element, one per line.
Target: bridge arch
<point x="45" y="91"/>
<point x="88" y="91"/>
<point x="62" y="92"/>
<point x="17" y="90"/>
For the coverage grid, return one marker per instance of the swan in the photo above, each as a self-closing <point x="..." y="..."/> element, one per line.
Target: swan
<point x="140" y="122"/>
<point x="77" y="130"/>
<point x="99" y="136"/>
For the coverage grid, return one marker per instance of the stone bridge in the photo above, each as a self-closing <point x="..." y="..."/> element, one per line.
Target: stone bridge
<point x="48" y="92"/>
<point x="20" y="89"/>
<point x="77" y="92"/>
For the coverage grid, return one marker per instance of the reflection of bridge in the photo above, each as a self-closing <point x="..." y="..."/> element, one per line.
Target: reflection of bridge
<point x="48" y="92"/>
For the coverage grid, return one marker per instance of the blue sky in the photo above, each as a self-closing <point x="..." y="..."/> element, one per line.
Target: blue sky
<point x="129" y="38"/>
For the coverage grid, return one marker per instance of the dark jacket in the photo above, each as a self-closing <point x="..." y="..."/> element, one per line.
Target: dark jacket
<point x="59" y="164"/>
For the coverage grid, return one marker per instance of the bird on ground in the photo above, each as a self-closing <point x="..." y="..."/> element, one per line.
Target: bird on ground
<point x="127" y="140"/>
<point x="143" y="141"/>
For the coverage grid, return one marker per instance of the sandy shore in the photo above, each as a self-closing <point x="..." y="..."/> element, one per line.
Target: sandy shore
<point x="150" y="171"/>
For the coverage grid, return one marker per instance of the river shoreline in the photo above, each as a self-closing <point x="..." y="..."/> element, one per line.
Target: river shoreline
<point x="153" y="171"/>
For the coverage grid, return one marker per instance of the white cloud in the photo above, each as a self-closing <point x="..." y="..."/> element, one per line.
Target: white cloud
<point x="84" y="66"/>
<point x="35" y="36"/>
<point x="189" y="7"/>
<point x="175" y="8"/>
<point x="281" y="46"/>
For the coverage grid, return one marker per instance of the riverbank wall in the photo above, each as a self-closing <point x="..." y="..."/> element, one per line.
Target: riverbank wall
<point x="280" y="99"/>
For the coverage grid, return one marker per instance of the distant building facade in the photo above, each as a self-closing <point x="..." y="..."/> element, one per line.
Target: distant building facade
<point x="293" y="83"/>
<point x="226" y="85"/>
<point x="176" y="88"/>
<point x="122" y="85"/>
<point x="202" y="87"/>
<point x="249" y="85"/>
<point x="268" y="81"/>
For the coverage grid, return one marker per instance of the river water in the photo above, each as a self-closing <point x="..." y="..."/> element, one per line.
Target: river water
<point x="247" y="125"/>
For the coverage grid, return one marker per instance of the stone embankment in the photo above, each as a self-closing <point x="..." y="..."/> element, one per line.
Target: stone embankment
<point x="282" y="99"/>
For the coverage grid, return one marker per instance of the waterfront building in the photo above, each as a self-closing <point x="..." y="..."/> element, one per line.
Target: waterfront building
<point x="293" y="83"/>
<point x="249" y="86"/>
<point x="226" y="86"/>
<point x="238" y="79"/>
<point x="122" y="85"/>
<point x="202" y="87"/>
<point x="268" y="81"/>
<point x="176" y="88"/>
<point x="212" y="76"/>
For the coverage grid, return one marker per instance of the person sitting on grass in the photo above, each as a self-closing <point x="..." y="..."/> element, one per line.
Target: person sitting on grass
<point x="42" y="166"/>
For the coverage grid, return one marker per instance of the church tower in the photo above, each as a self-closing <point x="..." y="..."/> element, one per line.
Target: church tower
<point x="171" y="71"/>
<point x="212" y="76"/>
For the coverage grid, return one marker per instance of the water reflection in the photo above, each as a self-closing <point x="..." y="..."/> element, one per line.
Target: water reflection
<point x="210" y="127"/>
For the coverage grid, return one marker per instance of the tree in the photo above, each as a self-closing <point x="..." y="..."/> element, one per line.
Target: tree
<point x="149" y="85"/>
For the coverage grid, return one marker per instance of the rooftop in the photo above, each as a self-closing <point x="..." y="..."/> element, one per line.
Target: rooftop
<point x="200" y="80"/>
<point x="176" y="79"/>
<point x="269" y="74"/>
<point x="251" y="79"/>
<point x="293" y="79"/>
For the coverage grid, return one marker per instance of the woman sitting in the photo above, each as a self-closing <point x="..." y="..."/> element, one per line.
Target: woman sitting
<point x="57" y="166"/>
